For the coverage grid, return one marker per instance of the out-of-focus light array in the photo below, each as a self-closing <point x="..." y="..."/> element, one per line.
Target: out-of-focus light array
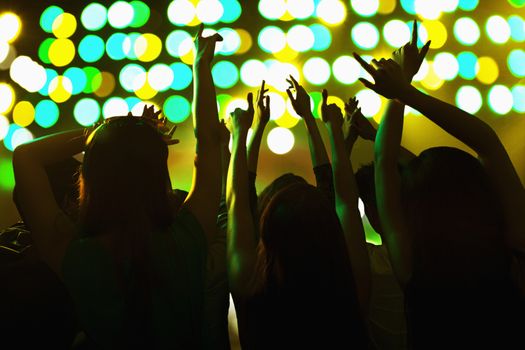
<point x="291" y="38"/>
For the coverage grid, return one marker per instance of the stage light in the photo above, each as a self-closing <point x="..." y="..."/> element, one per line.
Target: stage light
<point x="141" y="13"/>
<point x="428" y="9"/>
<point x="60" y="89"/>
<point x="129" y="73"/>
<point x="7" y="98"/>
<point x="468" y="5"/>
<point x="468" y="65"/>
<point x="422" y="72"/>
<point x="487" y="70"/>
<point x="176" y="108"/>
<point x="437" y="32"/>
<point x="300" y="38"/>
<point x="93" y="79"/>
<point x="10" y="27"/>
<point x="322" y="37"/>
<point x="78" y="79"/>
<point x="280" y="140"/>
<point x="253" y="72"/>
<point x="500" y="99"/>
<point x="277" y="105"/>
<point x="369" y="101"/>
<point x="16" y="136"/>
<point x="23" y="113"/>
<point x="231" y="41"/>
<point x="147" y="47"/>
<point x="278" y="72"/>
<point x="182" y="76"/>
<point x="301" y="9"/>
<point x="518" y="96"/>
<point x="409" y="6"/>
<point x="272" y="9"/>
<point x="365" y="8"/>
<point x="515" y="62"/>
<point x="332" y="12"/>
<point x="497" y="29"/>
<point x="181" y="12"/>
<point x="160" y="77"/>
<point x="94" y="16"/>
<point x="175" y="41"/>
<point x="115" y="106"/>
<point x="120" y="14"/>
<point x="61" y="52"/>
<point x="232" y="11"/>
<point x="225" y="74"/>
<point x="106" y="85"/>
<point x="28" y="74"/>
<point x="365" y="35"/>
<point x="517" y="3"/>
<point x="517" y="28"/>
<point x="272" y="39"/>
<point x="46" y="113"/>
<point x="346" y="70"/>
<point x="446" y="66"/>
<point x="316" y="71"/>
<point x="7" y="55"/>
<point x="64" y="25"/>
<point x="48" y="17"/>
<point x="449" y="5"/>
<point x="115" y="46"/>
<point x="129" y="47"/>
<point x="469" y="99"/>
<point x="91" y="48"/>
<point x="4" y="126"/>
<point x="146" y="92"/>
<point x="396" y="33"/>
<point x="209" y="11"/>
<point x="386" y="7"/>
<point x="466" y="31"/>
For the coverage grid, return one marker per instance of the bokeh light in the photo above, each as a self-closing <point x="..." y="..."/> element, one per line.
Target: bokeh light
<point x="62" y="52"/>
<point x="64" y="25"/>
<point x="300" y="38"/>
<point x="346" y="70"/>
<point x="468" y="65"/>
<point x="87" y="111"/>
<point x="28" y="74"/>
<point x="396" y="33"/>
<point x="46" y="113"/>
<point x="7" y="98"/>
<point x="115" y="107"/>
<point x="466" y="31"/>
<point x="280" y="140"/>
<point x="48" y="16"/>
<point x="497" y="29"/>
<point x="487" y="70"/>
<point x="272" y="9"/>
<point x="16" y="136"/>
<point x="316" y="71"/>
<point x="365" y="8"/>
<point x="468" y="5"/>
<point x="515" y="62"/>
<point x="10" y="27"/>
<point x="446" y="66"/>
<point x="120" y="14"/>
<point x="181" y="12"/>
<point x="369" y="101"/>
<point x="300" y="9"/>
<point x="60" y="89"/>
<point x="176" y="108"/>
<point x="518" y="95"/>
<point x="160" y="77"/>
<point x="147" y="47"/>
<point x="94" y="16"/>
<point x="500" y="99"/>
<point x="365" y="35"/>
<point x="517" y="28"/>
<point x="91" y="48"/>
<point x="253" y="72"/>
<point x="437" y="32"/>
<point x="209" y="11"/>
<point x="141" y="14"/>
<point x="23" y="113"/>
<point x="332" y="12"/>
<point x="272" y="39"/>
<point x="469" y="99"/>
<point x="428" y="9"/>
<point x="182" y="76"/>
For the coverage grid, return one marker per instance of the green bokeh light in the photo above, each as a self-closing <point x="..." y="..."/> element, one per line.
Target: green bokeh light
<point x="46" y="113"/>
<point x="48" y="16"/>
<point x="141" y="14"/>
<point x="43" y="50"/>
<point x="7" y="175"/>
<point x="225" y="74"/>
<point x="176" y="108"/>
<point x="183" y="76"/>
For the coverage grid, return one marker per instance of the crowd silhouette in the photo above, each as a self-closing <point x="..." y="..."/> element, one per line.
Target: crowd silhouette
<point x="120" y="259"/>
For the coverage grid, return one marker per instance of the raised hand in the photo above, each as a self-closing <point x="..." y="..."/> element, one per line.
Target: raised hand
<point x="409" y="57"/>
<point x="241" y="119"/>
<point x="262" y="114"/>
<point x="205" y="46"/>
<point x="390" y="80"/>
<point x="224" y="132"/>
<point x="331" y="113"/>
<point x="301" y="101"/>
<point x="363" y="125"/>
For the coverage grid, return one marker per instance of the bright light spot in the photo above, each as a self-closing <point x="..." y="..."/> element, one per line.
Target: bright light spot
<point x="428" y="9"/>
<point x="396" y="33"/>
<point x="28" y="74"/>
<point x="175" y="40"/>
<point x="61" y="52"/>
<point x="361" y="207"/>
<point x="300" y="9"/>
<point x="422" y="72"/>
<point x="20" y="136"/>
<point x="331" y="11"/>
<point x="147" y="47"/>
<point x="466" y="31"/>
<point x="278" y="73"/>
<point x="432" y="81"/>
<point x="316" y="71"/>
<point x="60" y="89"/>
<point x="46" y="113"/>
<point x="176" y="108"/>
<point x="182" y="76"/>
<point x="272" y="39"/>
<point x="280" y="140"/>
<point x="87" y="111"/>
<point x="500" y="99"/>
<point x="115" y="107"/>
<point x="120" y="14"/>
<point x="365" y="8"/>
<point x="233" y="105"/>
<point x="346" y="69"/>
<point x="322" y="37"/>
<point x="7" y="55"/>
<point x="209" y="11"/>
<point x="488" y="70"/>
<point x="515" y="62"/>
<point x="386" y="7"/>
<point x="94" y="16"/>
<point x="369" y="101"/>
<point x="446" y="65"/>
<point x="129" y="74"/>
<point x="160" y="77"/>
<point x="437" y="31"/>
<point x="272" y="9"/>
<point x="23" y="113"/>
<point x="449" y="5"/>
<point x="7" y="98"/>
<point x="10" y="27"/>
<point x="518" y="94"/>
<point x="231" y="41"/>
<point x="4" y="126"/>
<point x="468" y="65"/>
<point x="181" y="12"/>
<point x="300" y="38"/>
<point x="225" y="74"/>
<point x="365" y="35"/>
<point x="498" y="29"/>
<point x="469" y="99"/>
<point x="277" y="105"/>
<point x="253" y="72"/>
<point x="64" y="25"/>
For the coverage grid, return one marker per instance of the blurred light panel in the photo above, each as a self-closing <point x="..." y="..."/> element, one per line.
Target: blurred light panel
<point x="23" y="113"/>
<point x="322" y="37"/>
<point x="316" y="71"/>
<point x="225" y="74"/>
<point x="466" y="31"/>
<point x="516" y="63"/>
<point x="176" y="40"/>
<point x="396" y="33"/>
<point x="300" y="9"/>
<point x="64" y="25"/>
<point x="87" y="111"/>
<point x="141" y="14"/>
<point x="517" y="28"/>
<point x="518" y="95"/>
<point x="147" y="47"/>
<point x="369" y="101"/>
<point x="497" y="29"/>
<point x="10" y="27"/>
<point x="232" y="11"/>
<point x="332" y="12"/>
<point x="209" y="11"/>
<point x="446" y="66"/>
<point x="120" y="14"/>
<point x="253" y="72"/>
<point x="115" y="107"/>
<point x="272" y="9"/>
<point x="272" y="39"/>
<point x="365" y="8"/>
<point x="91" y="48"/>
<point x="129" y="73"/>
<point x="468" y="5"/>
<point x="160" y="77"/>
<point x="182" y="76"/>
<point x="300" y="38"/>
<point x="231" y="42"/>
<point x="60" y="89"/>
<point x="437" y="32"/>
<point x="280" y="140"/>
<point x="365" y="35"/>
<point x="46" y="113"/>
<point x="176" y="108"/>
<point x="61" y="52"/>
<point x="181" y="12"/>
<point x="48" y="16"/>
<point x="500" y="99"/>
<point x="115" y="46"/>
<point x="487" y="70"/>
<point x="346" y="70"/>
<point x="469" y="99"/>
<point x="468" y="65"/>
<point x="428" y="9"/>
<point x="94" y="16"/>
<point x="7" y="98"/>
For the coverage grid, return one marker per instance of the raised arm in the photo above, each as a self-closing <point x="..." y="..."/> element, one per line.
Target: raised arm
<point x="51" y="229"/>
<point x="346" y="202"/>
<point x="262" y="117"/>
<point x="241" y="238"/>
<point x="203" y="199"/>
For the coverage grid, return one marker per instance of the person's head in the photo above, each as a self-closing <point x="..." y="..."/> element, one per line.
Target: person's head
<point x="275" y="186"/>
<point x="124" y="177"/>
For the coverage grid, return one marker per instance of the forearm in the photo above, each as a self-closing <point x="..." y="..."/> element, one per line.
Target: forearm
<point x="205" y="114"/>
<point x="225" y="161"/>
<point x="254" y="148"/>
<point x="315" y="142"/>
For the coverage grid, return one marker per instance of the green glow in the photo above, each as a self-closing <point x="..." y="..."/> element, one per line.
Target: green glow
<point x="91" y="48"/>
<point x="48" y="17"/>
<point x="140" y="15"/>
<point x="43" y="50"/>
<point x="517" y="3"/>
<point x="176" y="108"/>
<point x="232" y="11"/>
<point x="225" y="74"/>
<point x="7" y="175"/>
<point x="93" y="78"/>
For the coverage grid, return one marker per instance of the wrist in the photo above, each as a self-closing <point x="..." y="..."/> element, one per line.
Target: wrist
<point x="406" y="93"/>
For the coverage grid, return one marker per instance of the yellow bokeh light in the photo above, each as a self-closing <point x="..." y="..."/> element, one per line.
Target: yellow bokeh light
<point x="7" y="98"/>
<point x="487" y="69"/>
<point x="189" y="57"/>
<point x="246" y="41"/>
<point x="437" y="31"/>
<point x="107" y="85"/>
<point x="23" y="113"/>
<point x="287" y="17"/>
<point x="10" y="26"/>
<point x="60" y="89"/>
<point x="386" y="7"/>
<point x="146" y="92"/>
<point x="194" y="22"/>
<point x="61" y="52"/>
<point x="148" y="47"/>
<point x="287" y="54"/>
<point x="64" y="25"/>
<point x="432" y="81"/>
<point x="287" y="121"/>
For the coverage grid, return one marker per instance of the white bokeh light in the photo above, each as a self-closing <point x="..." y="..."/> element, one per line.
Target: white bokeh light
<point x="365" y="8"/>
<point x="20" y="136"/>
<point x="331" y="11"/>
<point x="115" y="106"/>
<point x="272" y="9"/>
<point x="346" y="69"/>
<point x="4" y="126"/>
<point x="369" y="101"/>
<point x="277" y="105"/>
<point x="396" y="33"/>
<point x="280" y="140"/>
<point x="500" y="99"/>
<point x="300" y="9"/>
<point x="278" y="72"/>
<point x="300" y="38"/>
<point x="209" y="11"/>
<point x="181" y="12"/>
<point x="272" y="39"/>
<point x="428" y="9"/>
<point x="466" y="31"/>
<point x="28" y="74"/>
<point x="316" y="71"/>
<point x="120" y="14"/>
<point x="498" y="29"/>
<point x="365" y="35"/>
<point x="469" y="99"/>
<point x="160" y="77"/>
<point x="253" y="72"/>
<point x="7" y="97"/>
<point x="446" y="66"/>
